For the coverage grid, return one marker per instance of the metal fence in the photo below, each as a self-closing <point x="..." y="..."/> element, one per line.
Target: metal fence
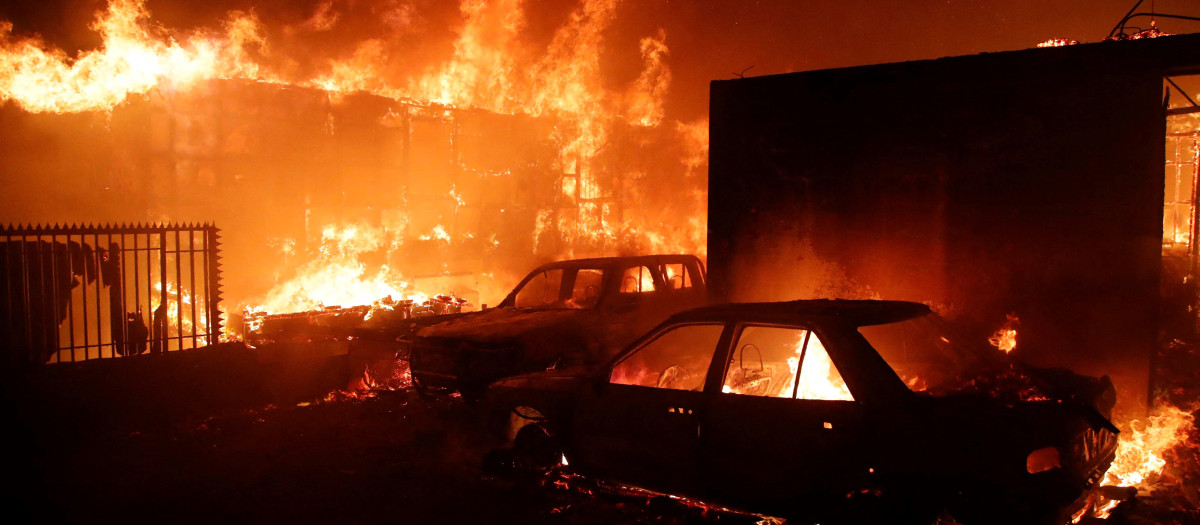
<point x="76" y="293"/>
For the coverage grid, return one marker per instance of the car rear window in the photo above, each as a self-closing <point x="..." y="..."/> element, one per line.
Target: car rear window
<point x="925" y="353"/>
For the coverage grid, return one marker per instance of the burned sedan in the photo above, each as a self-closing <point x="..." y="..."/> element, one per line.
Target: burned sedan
<point x="580" y="311"/>
<point x="805" y="409"/>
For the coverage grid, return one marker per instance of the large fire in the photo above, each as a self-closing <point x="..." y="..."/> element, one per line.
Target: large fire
<point x="338" y="277"/>
<point x="493" y="67"/>
<point x="1144" y="444"/>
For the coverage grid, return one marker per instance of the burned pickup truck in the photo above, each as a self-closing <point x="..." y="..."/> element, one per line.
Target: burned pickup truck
<point x="576" y="312"/>
<point x="827" y="410"/>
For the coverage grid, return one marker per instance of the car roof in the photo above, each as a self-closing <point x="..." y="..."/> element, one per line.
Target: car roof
<point x="853" y="312"/>
<point x="607" y="261"/>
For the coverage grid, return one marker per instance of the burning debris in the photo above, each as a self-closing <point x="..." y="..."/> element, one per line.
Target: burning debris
<point x="1006" y="337"/>
<point x="336" y="323"/>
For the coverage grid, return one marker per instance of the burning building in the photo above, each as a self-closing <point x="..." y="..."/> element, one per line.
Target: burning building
<point x="343" y="186"/>
<point x="1025" y="183"/>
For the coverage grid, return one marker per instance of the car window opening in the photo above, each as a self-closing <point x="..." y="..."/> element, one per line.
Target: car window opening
<point x="565" y="289"/>
<point x="767" y="361"/>
<point x="677" y="359"/>
<point x="927" y="355"/>
<point x="677" y="275"/>
<point x="638" y="279"/>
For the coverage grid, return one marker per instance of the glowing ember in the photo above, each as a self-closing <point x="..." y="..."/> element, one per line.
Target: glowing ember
<point x="1006" y="337"/>
<point x="1058" y="42"/>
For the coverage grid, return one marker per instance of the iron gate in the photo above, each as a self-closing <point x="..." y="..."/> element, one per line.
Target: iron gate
<point x="77" y="293"/>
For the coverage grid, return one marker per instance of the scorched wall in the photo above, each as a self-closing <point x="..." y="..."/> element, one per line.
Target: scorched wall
<point x="1026" y="182"/>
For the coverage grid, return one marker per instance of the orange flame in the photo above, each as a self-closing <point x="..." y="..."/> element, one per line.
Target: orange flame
<point x="336" y="277"/>
<point x="818" y="378"/>
<point x="1142" y="447"/>
<point x="132" y="60"/>
<point x="492" y="68"/>
<point x="1006" y="337"/>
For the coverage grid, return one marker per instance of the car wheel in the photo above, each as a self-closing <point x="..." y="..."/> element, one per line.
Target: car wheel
<point x="422" y="390"/>
<point x="519" y="417"/>
<point x="535" y="450"/>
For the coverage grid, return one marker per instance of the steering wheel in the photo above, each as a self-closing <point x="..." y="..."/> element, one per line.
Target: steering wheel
<point x="672" y="377"/>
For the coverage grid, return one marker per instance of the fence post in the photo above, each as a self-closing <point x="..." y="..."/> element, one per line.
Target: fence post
<point x="212" y="255"/>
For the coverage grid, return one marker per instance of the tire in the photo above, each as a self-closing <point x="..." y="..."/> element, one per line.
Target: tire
<point x="422" y="390"/>
<point x="535" y="451"/>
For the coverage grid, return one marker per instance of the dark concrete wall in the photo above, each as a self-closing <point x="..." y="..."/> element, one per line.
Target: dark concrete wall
<point x="74" y="401"/>
<point x="1026" y="182"/>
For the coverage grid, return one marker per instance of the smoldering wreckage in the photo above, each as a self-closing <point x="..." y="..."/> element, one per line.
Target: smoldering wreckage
<point x="665" y="388"/>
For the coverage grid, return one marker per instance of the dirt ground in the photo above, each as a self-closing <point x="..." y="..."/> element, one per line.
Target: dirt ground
<point x="390" y="458"/>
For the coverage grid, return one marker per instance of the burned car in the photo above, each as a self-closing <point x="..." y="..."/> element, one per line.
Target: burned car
<point x="576" y="312"/>
<point x="821" y="410"/>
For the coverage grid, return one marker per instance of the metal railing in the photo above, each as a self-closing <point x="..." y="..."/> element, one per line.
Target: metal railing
<point x="76" y="293"/>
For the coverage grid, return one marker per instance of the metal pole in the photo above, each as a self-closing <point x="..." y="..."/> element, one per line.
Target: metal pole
<point x="99" y="286"/>
<point x="27" y="299"/>
<point x="208" y="306"/>
<point x="137" y="283"/>
<point x="178" y="291"/>
<point x="161" y="324"/>
<point x="192" y="288"/>
<point x="54" y="291"/>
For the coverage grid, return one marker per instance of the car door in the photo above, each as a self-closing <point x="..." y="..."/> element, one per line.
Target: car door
<point x="640" y="424"/>
<point x="773" y="442"/>
<point x="633" y="306"/>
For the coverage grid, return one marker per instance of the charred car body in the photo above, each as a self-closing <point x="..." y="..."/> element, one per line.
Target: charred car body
<point x="821" y="409"/>
<point x="576" y="312"/>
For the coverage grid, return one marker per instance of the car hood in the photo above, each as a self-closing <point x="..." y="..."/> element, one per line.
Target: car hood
<point x="548" y="381"/>
<point x="506" y="324"/>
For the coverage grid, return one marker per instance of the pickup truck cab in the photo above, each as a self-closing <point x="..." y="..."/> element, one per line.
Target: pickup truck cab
<point x="574" y="312"/>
